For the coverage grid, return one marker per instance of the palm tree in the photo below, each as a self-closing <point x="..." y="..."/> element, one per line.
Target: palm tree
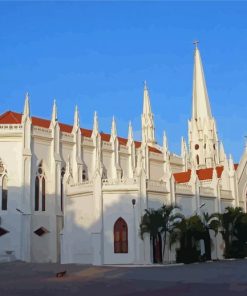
<point x="152" y="223"/>
<point x="234" y="227"/>
<point x="170" y="218"/>
<point x="210" y="222"/>
<point x="188" y="231"/>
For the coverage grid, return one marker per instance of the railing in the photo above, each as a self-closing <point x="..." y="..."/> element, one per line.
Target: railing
<point x="206" y="191"/>
<point x="226" y="194"/>
<point x="184" y="188"/>
<point x="11" y="127"/>
<point x="154" y="185"/>
<point x="84" y="183"/>
<point x="123" y="181"/>
<point x="42" y="130"/>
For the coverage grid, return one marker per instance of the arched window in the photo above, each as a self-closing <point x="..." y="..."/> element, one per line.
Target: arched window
<point x="197" y="159"/>
<point x="4" y="193"/>
<point x="43" y="194"/>
<point x="120" y="236"/>
<point x="104" y="173"/>
<point x="84" y="175"/>
<point x="36" y="202"/>
<point x="61" y="188"/>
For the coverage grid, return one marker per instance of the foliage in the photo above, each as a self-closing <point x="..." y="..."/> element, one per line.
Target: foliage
<point x="151" y="222"/>
<point x="159" y="223"/>
<point x="234" y="232"/>
<point x="168" y="222"/>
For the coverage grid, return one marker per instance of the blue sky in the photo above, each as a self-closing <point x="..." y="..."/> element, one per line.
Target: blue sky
<point x="97" y="55"/>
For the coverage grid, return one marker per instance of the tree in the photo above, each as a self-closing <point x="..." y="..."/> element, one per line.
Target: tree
<point x="152" y="223"/>
<point x="170" y="218"/>
<point x="229" y="221"/>
<point x="210" y="222"/>
<point x="159" y="223"/>
<point x="234" y="232"/>
<point x="188" y="231"/>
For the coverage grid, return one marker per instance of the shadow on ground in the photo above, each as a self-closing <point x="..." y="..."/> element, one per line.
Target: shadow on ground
<point x="226" y="278"/>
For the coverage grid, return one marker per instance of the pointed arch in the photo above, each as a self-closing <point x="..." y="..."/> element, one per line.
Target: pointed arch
<point x="43" y="193"/>
<point x="84" y="174"/>
<point x="62" y="188"/>
<point x="120" y="236"/>
<point x="197" y="159"/>
<point x="36" y="201"/>
<point x="4" y="193"/>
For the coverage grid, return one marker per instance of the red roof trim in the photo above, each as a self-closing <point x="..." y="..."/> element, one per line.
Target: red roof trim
<point x="203" y="174"/>
<point x="11" y="117"/>
<point x="182" y="177"/>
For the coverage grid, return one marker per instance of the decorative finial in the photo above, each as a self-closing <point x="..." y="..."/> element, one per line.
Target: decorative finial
<point x="145" y="84"/>
<point x="245" y="142"/>
<point x="196" y="43"/>
<point x="54" y="111"/>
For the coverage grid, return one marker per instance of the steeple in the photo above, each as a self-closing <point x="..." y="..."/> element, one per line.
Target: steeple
<point x="113" y="129"/>
<point x="203" y="138"/>
<point x="95" y="124"/>
<point x="184" y="153"/>
<point x="130" y="133"/>
<point x="147" y="119"/>
<point x="201" y="105"/>
<point x="26" y="111"/>
<point x="54" y="112"/>
<point x="165" y="143"/>
<point x="146" y="101"/>
<point x="76" y="119"/>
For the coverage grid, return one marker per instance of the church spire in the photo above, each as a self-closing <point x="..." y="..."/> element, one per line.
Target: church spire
<point x="54" y="112"/>
<point x="76" y="119"/>
<point x="201" y="105"/>
<point x="130" y="133"/>
<point x="95" y="124"/>
<point x="203" y="139"/>
<point x="113" y="129"/>
<point x="26" y="111"/>
<point x="147" y="119"/>
<point x="146" y="100"/>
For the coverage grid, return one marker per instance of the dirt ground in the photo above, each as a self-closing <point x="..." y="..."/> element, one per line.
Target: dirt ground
<point x="216" y="278"/>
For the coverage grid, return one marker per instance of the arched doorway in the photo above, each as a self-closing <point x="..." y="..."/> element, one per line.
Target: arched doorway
<point x="157" y="249"/>
<point x="120" y="236"/>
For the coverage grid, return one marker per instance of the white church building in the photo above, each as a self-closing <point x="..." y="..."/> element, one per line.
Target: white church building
<point x="73" y="195"/>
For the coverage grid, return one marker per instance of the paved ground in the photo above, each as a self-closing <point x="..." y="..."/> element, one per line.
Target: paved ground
<point x="217" y="278"/>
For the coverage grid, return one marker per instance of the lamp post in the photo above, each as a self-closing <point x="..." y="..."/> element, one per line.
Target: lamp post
<point x="25" y="243"/>
<point x="134" y="229"/>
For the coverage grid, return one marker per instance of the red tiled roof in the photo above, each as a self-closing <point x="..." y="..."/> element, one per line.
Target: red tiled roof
<point x="219" y="171"/>
<point x="86" y="132"/>
<point x="203" y="174"/>
<point x="137" y="144"/>
<point x="235" y="166"/>
<point x="65" y="128"/>
<point x="105" y="137"/>
<point x="10" y="117"/>
<point x="153" y="149"/>
<point x="182" y="177"/>
<point x="122" y="141"/>
<point x="41" y="122"/>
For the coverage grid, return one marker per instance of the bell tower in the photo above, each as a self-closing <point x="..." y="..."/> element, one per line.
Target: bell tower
<point x="203" y="138"/>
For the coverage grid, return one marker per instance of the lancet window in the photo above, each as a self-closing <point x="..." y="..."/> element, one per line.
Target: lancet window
<point x="62" y="188"/>
<point x="120" y="236"/>
<point x="40" y="189"/>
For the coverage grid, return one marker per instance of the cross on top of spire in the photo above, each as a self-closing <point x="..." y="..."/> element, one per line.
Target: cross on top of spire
<point x="196" y="43"/>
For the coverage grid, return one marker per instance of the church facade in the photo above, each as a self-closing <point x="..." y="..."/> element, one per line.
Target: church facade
<point x="73" y="195"/>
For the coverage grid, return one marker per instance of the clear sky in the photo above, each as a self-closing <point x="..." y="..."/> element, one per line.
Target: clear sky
<point x="97" y="55"/>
